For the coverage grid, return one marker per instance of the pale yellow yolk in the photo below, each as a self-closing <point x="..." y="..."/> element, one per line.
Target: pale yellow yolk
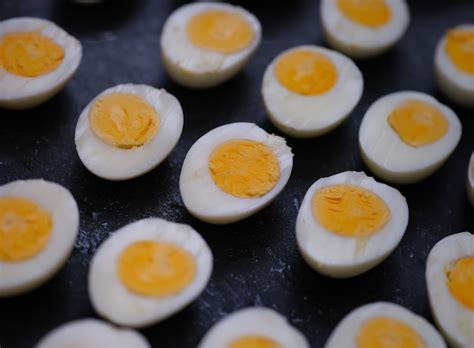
<point x="306" y="72"/>
<point x="418" y="123"/>
<point x="123" y="120"/>
<point x="369" y="13"/>
<point x="156" y="269"/>
<point x="460" y="281"/>
<point x="349" y="210"/>
<point x="386" y="332"/>
<point x="254" y="342"/>
<point x="220" y="31"/>
<point x="29" y="54"/>
<point x="244" y="168"/>
<point x="460" y="49"/>
<point x="25" y="228"/>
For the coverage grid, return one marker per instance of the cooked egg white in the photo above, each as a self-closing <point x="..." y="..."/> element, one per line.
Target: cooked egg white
<point x="470" y="180"/>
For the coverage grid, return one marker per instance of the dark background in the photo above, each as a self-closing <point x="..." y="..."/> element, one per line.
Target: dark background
<point x="256" y="260"/>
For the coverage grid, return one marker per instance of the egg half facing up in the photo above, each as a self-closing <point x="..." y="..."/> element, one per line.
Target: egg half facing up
<point x="37" y="59"/>
<point x="204" y="44"/>
<point x="470" y="180"/>
<point x="39" y="221"/>
<point x="348" y="223"/>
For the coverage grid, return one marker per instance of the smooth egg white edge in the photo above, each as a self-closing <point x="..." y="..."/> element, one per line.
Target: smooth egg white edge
<point x="470" y="180"/>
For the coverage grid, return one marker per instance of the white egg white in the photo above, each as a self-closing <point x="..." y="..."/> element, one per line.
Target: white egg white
<point x="470" y="180"/>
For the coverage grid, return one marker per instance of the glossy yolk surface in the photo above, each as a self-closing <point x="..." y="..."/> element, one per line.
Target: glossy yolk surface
<point x="369" y="13"/>
<point x="460" y="49"/>
<point x="254" y="342"/>
<point x="460" y="281"/>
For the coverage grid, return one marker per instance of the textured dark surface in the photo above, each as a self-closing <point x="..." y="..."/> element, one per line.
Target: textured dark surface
<point x="256" y="260"/>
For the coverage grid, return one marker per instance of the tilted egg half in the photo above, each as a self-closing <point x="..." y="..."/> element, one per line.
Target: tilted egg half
<point x="309" y="90"/>
<point x="233" y="171"/>
<point x="349" y="223"/>
<point x="406" y="136"/>
<point x="39" y="221"/>
<point x="37" y="58"/>
<point x="470" y="180"/>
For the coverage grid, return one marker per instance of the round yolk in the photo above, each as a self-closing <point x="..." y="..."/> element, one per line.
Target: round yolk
<point x="156" y="269"/>
<point x="25" y="228"/>
<point x="306" y="72"/>
<point x="254" y="342"/>
<point x="220" y="31"/>
<point x="418" y="123"/>
<point x="123" y="120"/>
<point x="244" y="168"/>
<point x="460" y="48"/>
<point x="460" y="281"/>
<point x="29" y="54"/>
<point x="386" y="332"/>
<point x="349" y="210"/>
<point x="369" y="13"/>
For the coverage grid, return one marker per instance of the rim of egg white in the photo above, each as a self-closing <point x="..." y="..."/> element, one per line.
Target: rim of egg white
<point x="59" y="202"/>
<point x="332" y="254"/>
<point x="113" y="163"/>
<point x="200" y="194"/>
<point x="470" y="180"/>
<point x="283" y="111"/>
<point x="110" y="297"/>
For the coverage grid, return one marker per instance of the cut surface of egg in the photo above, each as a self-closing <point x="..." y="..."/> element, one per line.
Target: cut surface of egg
<point x="470" y="180"/>
<point x="37" y="59"/>
<point x="349" y="223"/>
<point x="309" y="90"/>
<point x="253" y="327"/>
<point x="450" y="282"/>
<point x="406" y="136"/>
<point x="384" y="325"/>
<point x="233" y="171"/>
<point x="39" y="221"/>
<point x="204" y="44"/>
<point x="128" y="130"/>
<point x="148" y="270"/>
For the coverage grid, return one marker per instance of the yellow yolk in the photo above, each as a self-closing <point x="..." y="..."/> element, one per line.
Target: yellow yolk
<point x="386" y="332"/>
<point x="254" y="342"/>
<point x="349" y="210"/>
<point x="156" y="269"/>
<point x="244" y="168"/>
<point x="369" y="13"/>
<point x="220" y="31"/>
<point x="460" y="49"/>
<point x="29" y="54"/>
<point x="461" y="281"/>
<point x="123" y="120"/>
<point x="25" y="228"/>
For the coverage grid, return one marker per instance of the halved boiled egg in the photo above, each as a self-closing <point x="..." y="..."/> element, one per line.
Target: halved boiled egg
<point x="148" y="270"/>
<point x="37" y="59"/>
<point x="254" y="327"/>
<point x="39" y="221"/>
<point x="233" y="171"/>
<point x="204" y="44"/>
<point x="309" y="90"/>
<point x="406" y="136"/>
<point x="470" y="180"/>
<point x="450" y="282"/>
<point x="349" y="223"/>
<point x="128" y="130"/>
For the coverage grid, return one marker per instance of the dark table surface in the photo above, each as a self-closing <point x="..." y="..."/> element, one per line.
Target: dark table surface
<point x="256" y="261"/>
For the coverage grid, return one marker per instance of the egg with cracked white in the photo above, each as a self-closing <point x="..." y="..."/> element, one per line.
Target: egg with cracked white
<point x="470" y="180"/>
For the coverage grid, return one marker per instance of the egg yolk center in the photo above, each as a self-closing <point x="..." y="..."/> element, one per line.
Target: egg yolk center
<point x="219" y="31"/>
<point x="460" y="281"/>
<point x="244" y="168"/>
<point x="349" y="210"/>
<point x="254" y="342"/>
<point x="25" y="228"/>
<point x="124" y="120"/>
<point x="306" y="72"/>
<point x="369" y="13"/>
<point x="460" y="49"/>
<point x="29" y="54"/>
<point x="386" y="332"/>
<point x="418" y="123"/>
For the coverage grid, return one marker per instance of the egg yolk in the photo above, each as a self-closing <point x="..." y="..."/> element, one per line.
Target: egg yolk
<point x="25" y="228"/>
<point x="349" y="210"/>
<point x="155" y="269"/>
<point x="219" y="31"/>
<point x="254" y="342"/>
<point x="244" y="168"/>
<point x="460" y="281"/>
<point x="124" y="120"/>
<point x="369" y="13"/>
<point x="386" y="332"/>
<point x="460" y="49"/>
<point x="29" y="54"/>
